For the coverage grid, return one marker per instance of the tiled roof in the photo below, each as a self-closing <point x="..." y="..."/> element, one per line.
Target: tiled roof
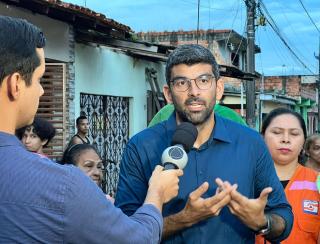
<point x="63" y="10"/>
<point x="151" y="33"/>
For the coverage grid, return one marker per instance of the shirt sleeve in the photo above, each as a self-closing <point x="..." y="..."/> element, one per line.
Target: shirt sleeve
<point x="91" y="218"/>
<point x="277" y="202"/>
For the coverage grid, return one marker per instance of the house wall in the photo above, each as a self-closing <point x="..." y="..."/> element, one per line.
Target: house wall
<point x="104" y="71"/>
<point x="289" y="85"/>
<point x="268" y="106"/>
<point x="56" y="32"/>
<point x="59" y="49"/>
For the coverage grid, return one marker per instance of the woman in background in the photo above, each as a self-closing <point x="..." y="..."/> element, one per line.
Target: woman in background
<point x="284" y="132"/>
<point x="312" y="149"/>
<point x="37" y="135"/>
<point x="87" y="159"/>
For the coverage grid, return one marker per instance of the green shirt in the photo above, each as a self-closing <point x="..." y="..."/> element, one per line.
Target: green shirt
<point x="223" y="111"/>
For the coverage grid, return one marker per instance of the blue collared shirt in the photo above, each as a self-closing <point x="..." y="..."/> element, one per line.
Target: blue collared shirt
<point x="43" y="202"/>
<point x="233" y="152"/>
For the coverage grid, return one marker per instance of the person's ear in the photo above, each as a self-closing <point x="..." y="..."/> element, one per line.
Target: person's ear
<point x="13" y="83"/>
<point x="44" y="142"/>
<point x="167" y="93"/>
<point x="219" y="88"/>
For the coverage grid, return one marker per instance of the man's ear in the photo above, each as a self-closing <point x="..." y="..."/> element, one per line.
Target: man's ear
<point x="167" y="93"/>
<point x="219" y="88"/>
<point x="14" y="82"/>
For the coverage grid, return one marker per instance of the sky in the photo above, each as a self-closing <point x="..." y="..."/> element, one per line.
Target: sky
<point x="292" y="22"/>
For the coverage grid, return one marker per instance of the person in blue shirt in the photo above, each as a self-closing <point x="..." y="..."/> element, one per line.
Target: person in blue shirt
<point x="44" y="202"/>
<point x="246" y="198"/>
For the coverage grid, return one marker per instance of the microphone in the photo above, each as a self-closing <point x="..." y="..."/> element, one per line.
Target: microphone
<point x="175" y="157"/>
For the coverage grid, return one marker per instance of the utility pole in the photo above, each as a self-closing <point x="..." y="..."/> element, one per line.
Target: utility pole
<point x="250" y="85"/>
<point x="318" y="86"/>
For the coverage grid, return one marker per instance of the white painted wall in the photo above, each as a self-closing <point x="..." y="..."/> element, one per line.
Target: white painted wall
<point x="104" y="71"/>
<point x="56" y="32"/>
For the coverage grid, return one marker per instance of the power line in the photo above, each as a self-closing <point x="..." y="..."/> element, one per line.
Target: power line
<point x="198" y="21"/>
<point x="306" y="47"/>
<point x="242" y="37"/>
<point x="234" y="18"/>
<point x="309" y="16"/>
<point x="205" y="6"/>
<point x="280" y="35"/>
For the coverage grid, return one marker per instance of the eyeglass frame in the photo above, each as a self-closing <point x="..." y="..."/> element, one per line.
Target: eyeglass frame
<point x="188" y="80"/>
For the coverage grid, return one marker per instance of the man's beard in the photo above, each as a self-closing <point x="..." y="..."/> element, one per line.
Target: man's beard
<point x="196" y="118"/>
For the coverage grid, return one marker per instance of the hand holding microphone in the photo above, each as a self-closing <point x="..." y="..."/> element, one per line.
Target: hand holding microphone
<point x="174" y="158"/>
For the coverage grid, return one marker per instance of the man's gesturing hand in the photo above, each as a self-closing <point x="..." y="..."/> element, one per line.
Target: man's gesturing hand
<point x="250" y="211"/>
<point x="198" y="208"/>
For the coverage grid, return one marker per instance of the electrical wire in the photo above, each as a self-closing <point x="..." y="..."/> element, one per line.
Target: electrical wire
<point x="309" y="16"/>
<point x="294" y="33"/>
<point x="280" y="35"/>
<point x="235" y="16"/>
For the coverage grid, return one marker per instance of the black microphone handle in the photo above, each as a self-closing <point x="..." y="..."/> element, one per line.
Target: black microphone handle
<point x="170" y="166"/>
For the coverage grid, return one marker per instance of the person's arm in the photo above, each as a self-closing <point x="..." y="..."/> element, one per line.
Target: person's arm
<point x="277" y="205"/>
<point x="76" y="140"/>
<point x="89" y="218"/>
<point x="163" y="186"/>
<point x="197" y="209"/>
<point x="133" y="181"/>
<point x="270" y="199"/>
<point x="252" y="213"/>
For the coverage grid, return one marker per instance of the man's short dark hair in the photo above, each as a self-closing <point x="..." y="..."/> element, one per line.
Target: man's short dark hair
<point x="43" y="128"/>
<point x="191" y="54"/>
<point x="78" y="120"/>
<point x="18" y="42"/>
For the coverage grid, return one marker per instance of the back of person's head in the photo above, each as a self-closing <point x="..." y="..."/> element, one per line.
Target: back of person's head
<point x="281" y="111"/>
<point x="79" y="119"/>
<point x="41" y="127"/>
<point x="18" y="42"/>
<point x="191" y="54"/>
<point x="72" y="153"/>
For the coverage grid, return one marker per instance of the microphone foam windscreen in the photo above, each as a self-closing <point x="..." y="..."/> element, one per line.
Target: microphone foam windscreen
<point x="185" y="134"/>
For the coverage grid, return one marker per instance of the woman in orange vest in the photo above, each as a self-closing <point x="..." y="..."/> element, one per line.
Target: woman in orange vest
<point x="284" y="132"/>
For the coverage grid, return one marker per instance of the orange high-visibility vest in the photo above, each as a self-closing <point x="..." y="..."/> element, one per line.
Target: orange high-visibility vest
<point x="303" y="196"/>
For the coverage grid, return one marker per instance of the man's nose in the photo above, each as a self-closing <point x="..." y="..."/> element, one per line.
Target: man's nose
<point x="193" y="89"/>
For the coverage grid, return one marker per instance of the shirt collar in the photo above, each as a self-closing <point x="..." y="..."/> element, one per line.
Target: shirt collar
<point x="219" y="132"/>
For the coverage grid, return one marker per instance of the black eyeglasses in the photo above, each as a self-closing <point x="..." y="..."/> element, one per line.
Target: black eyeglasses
<point x="182" y="84"/>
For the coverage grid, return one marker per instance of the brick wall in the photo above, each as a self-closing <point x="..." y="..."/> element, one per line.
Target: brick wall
<point x="290" y="86"/>
<point x="190" y="37"/>
<point x="287" y="85"/>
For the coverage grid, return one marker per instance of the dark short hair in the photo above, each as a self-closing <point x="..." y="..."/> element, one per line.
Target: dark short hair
<point x="72" y="153"/>
<point x="43" y="128"/>
<point x="78" y="120"/>
<point x="280" y="111"/>
<point x="18" y="42"/>
<point x="191" y="54"/>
